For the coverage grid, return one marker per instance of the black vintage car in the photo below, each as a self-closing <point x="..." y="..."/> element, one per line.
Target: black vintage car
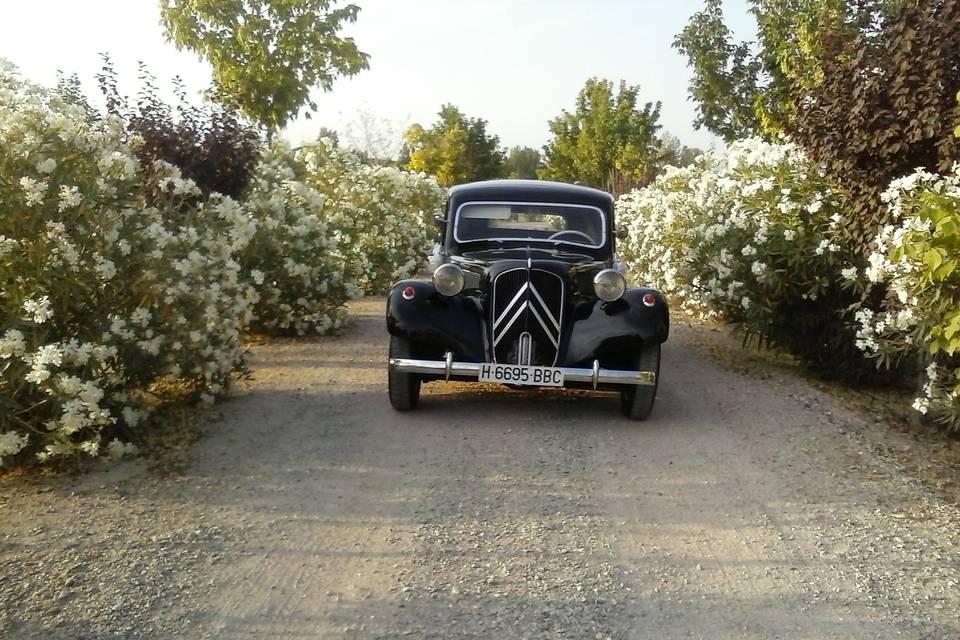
<point x="527" y="293"/>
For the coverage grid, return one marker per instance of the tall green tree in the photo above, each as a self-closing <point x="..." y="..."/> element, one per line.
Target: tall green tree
<point x="749" y="88"/>
<point x="523" y="162"/>
<point x="455" y="149"/>
<point x="882" y="110"/>
<point x="608" y="141"/>
<point x="725" y="74"/>
<point x="267" y="55"/>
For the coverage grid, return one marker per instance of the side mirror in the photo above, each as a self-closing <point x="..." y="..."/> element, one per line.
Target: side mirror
<point x="622" y="233"/>
<point x="440" y="219"/>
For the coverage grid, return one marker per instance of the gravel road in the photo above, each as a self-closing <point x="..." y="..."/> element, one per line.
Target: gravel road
<point x="746" y="507"/>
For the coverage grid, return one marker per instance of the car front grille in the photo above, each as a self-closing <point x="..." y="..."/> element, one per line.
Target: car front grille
<point x="526" y="316"/>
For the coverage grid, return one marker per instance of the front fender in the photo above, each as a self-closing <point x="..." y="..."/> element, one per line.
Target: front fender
<point x="612" y="330"/>
<point x="435" y="323"/>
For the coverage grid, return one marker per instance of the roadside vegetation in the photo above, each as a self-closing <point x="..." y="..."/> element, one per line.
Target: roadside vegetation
<point x="128" y="285"/>
<point x="831" y="225"/>
<point x="139" y="242"/>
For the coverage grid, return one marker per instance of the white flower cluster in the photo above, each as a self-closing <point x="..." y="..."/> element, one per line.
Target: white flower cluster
<point x="125" y="287"/>
<point x="117" y="289"/>
<point x="295" y="257"/>
<point x="736" y="234"/>
<point x="915" y="261"/>
<point x="384" y="214"/>
<point x="331" y="228"/>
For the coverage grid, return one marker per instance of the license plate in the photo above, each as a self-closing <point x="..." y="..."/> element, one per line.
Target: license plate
<point x="521" y="374"/>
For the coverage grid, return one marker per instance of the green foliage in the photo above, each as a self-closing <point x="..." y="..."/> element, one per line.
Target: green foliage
<point x="607" y="142"/>
<point x="887" y="105"/>
<point x="956" y="131"/>
<point x="522" y="162"/>
<point x="267" y="54"/>
<point x="916" y="263"/>
<point x="329" y="135"/>
<point x="746" y="88"/>
<point x="455" y="149"/>
<point x="725" y="81"/>
<point x="674" y="153"/>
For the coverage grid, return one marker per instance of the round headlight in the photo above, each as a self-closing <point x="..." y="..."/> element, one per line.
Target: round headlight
<point x="609" y="285"/>
<point x="448" y="279"/>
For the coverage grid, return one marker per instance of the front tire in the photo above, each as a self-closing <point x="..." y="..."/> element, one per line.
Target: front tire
<point x="636" y="401"/>
<point x="404" y="388"/>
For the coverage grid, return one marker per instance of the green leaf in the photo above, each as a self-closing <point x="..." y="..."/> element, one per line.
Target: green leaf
<point x="945" y="270"/>
<point x="948" y="226"/>
<point x="953" y="346"/>
<point x="932" y="259"/>
<point x="953" y="328"/>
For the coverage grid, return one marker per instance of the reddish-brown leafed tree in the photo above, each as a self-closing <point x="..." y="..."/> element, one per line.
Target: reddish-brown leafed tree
<point x="886" y="106"/>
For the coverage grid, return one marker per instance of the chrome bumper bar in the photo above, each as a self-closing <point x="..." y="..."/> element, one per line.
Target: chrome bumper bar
<point x="595" y="376"/>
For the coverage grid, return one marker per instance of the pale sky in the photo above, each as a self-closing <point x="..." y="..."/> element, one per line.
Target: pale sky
<point x="515" y="63"/>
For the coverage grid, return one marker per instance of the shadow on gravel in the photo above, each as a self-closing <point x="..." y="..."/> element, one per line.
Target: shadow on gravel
<point x="429" y="616"/>
<point x="337" y="468"/>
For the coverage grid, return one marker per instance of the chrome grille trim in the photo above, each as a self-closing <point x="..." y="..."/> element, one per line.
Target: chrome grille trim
<point x="526" y="348"/>
<point x="556" y="320"/>
<point x="528" y="304"/>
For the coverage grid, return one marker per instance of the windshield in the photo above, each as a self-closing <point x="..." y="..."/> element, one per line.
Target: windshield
<point x="522" y="222"/>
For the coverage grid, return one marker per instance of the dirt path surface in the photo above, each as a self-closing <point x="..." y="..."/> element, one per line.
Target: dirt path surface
<point x="745" y="508"/>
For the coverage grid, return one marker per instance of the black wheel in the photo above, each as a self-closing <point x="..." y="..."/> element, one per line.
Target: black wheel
<point x="404" y="388"/>
<point x="636" y="401"/>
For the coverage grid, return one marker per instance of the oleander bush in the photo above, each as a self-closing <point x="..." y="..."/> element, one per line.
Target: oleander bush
<point x="299" y="257"/>
<point x="330" y="228"/>
<point x="751" y="236"/>
<point x="121" y="287"/>
<point x="916" y="266"/>
<point x="387" y="223"/>
<point x="126" y="285"/>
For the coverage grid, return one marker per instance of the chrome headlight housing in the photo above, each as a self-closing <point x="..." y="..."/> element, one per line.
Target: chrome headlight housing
<point x="609" y="285"/>
<point x="448" y="279"/>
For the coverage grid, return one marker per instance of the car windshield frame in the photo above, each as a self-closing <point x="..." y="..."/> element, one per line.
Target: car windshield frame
<point x="569" y="205"/>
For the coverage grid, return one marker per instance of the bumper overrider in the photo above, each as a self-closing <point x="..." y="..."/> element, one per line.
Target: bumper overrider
<point x="448" y="369"/>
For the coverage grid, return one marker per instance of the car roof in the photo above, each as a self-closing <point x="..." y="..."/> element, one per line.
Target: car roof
<point x="529" y="190"/>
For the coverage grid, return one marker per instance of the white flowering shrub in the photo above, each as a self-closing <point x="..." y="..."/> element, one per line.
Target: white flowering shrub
<point x="750" y="236"/>
<point x="915" y="263"/>
<point x="119" y="289"/>
<point x="125" y="287"/>
<point x="298" y="257"/>
<point x="330" y="227"/>
<point x="387" y="214"/>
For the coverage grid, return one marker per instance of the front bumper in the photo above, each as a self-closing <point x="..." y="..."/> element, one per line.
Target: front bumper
<point x="448" y="368"/>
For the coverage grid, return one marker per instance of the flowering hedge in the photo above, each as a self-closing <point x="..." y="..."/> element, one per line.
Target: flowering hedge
<point x="387" y="214"/>
<point x="297" y="257"/>
<point x="329" y="228"/>
<point x="125" y="287"/>
<point x="751" y="236"/>
<point x="117" y="285"/>
<point x="917" y="263"/>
